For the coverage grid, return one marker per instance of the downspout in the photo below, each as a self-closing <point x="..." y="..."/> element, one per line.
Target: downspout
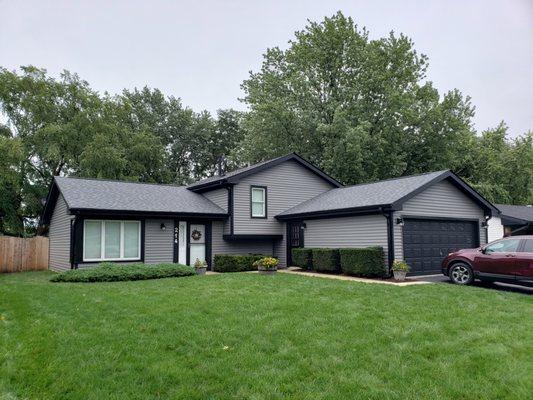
<point x="72" y="238"/>
<point x="230" y="208"/>
<point x="388" y="214"/>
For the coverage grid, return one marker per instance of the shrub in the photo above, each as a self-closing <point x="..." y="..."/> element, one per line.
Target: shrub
<point x="326" y="260"/>
<point x="110" y="272"/>
<point x="236" y="262"/>
<point x="366" y="262"/>
<point x="302" y="257"/>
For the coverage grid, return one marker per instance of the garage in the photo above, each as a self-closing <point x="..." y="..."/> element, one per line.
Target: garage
<point x="418" y="219"/>
<point x="427" y="241"/>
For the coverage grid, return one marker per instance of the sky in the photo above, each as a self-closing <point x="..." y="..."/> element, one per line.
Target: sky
<point x="201" y="51"/>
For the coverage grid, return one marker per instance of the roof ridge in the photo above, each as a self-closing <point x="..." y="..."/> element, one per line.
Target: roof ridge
<point x="119" y="181"/>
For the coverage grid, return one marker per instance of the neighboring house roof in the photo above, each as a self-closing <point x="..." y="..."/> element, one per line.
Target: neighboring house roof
<point x="238" y="174"/>
<point x="129" y="197"/>
<point x="523" y="213"/>
<point x="387" y="194"/>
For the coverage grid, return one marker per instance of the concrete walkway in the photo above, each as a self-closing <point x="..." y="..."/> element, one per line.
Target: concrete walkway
<point x="298" y="271"/>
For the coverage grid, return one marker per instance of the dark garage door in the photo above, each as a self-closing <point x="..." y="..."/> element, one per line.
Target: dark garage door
<point x="427" y="241"/>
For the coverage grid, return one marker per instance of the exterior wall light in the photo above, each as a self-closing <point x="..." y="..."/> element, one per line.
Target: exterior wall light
<point x="399" y="221"/>
<point x="163" y="227"/>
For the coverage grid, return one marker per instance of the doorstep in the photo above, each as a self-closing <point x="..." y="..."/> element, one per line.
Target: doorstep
<point x="299" y="271"/>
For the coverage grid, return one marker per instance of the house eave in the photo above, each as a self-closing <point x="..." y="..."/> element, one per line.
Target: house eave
<point x="343" y="212"/>
<point x="248" y="237"/>
<point x="147" y="214"/>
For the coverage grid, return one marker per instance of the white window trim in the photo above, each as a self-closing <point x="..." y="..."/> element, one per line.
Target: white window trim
<point x="102" y="241"/>
<point x="263" y="203"/>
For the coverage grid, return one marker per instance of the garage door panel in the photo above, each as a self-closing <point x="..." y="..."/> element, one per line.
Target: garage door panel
<point x="427" y="241"/>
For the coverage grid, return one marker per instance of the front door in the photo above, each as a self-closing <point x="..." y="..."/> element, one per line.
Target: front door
<point x="197" y="243"/>
<point x="295" y="238"/>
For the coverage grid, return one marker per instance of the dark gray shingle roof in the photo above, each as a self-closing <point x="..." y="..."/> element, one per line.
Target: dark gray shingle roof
<point x="364" y="195"/>
<point x="520" y="212"/>
<point x="98" y="194"/>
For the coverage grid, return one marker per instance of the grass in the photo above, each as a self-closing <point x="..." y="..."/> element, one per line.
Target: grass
<point x="246" y="336"/>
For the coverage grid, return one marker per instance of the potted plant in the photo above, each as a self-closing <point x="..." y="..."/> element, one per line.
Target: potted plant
<point x="400" y="270"/>
<point x="200" y="267"/>
<point x="267" y="265"/>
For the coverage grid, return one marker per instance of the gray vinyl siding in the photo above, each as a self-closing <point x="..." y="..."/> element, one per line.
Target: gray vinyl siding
<point x="219" y="197"/>
<point x="280" y="248"/>
<point x="158" y="244"/>
<point x="347" y="232"/>
<point x="441" y="200"/>
<point x="220" y="246"/>
<point x="288" y="184"/>
<point x="59" y="235"/>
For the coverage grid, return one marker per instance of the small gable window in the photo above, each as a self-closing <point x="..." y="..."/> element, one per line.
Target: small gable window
<point x="258" y="202"/>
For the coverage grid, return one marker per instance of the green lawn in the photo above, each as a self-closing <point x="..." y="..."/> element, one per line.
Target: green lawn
<point x="246" y="336"/>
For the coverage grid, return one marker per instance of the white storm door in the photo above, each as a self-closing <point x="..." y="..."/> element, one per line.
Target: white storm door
<point x="196" y="243"/>
<point x="182" y="242"/>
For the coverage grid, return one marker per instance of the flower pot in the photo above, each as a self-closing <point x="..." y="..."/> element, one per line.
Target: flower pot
<point x="399" y="275"/>
<point x="266" y="271"/>
<point x="201" y="271"/>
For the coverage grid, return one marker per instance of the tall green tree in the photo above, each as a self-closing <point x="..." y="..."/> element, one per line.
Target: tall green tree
<point x="502" y="168"/>
<point x="360" y="108"/>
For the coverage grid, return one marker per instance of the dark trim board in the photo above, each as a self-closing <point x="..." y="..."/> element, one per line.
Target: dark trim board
<point x="345" y="212"/>
<point x="237" y="238"/>
<point x="389" y="215"/>
<point x="122" y="214"/>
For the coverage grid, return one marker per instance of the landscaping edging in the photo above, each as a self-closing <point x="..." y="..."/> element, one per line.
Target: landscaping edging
<point x="299" y="271"/>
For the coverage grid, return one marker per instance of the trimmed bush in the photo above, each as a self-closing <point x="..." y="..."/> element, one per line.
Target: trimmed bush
<point x="236" y="262"/>
<point x="111" y="272"/>
<point x="366" y="262"/>
<point x="302" y="257"/>
<point x="326" y="260"/>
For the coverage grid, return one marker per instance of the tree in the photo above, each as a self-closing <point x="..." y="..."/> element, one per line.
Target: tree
<point x="359" y="108"/>
<point x="502" y="169"/>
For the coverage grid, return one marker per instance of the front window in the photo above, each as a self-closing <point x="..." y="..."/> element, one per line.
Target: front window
<point x="258" y="202"/>
<point x="111" y="240"/>
<point x="504" y="246"/>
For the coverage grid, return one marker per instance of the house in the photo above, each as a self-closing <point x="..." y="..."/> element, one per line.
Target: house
<point x="267" y="208"/>
<point x="511" y="220"/>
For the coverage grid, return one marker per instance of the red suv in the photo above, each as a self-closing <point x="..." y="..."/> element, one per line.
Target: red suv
<point x="508" y="260"/>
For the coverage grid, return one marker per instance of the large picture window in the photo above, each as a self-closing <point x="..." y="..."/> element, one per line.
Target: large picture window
<point x="111" y="240"/>
<point x="258" y="204"/>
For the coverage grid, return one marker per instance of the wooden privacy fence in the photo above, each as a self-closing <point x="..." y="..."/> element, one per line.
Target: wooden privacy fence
<point x="23" y="254"/>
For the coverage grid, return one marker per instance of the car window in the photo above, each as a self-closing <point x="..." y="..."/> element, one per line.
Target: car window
<point x="505" y="246"/>
<point x="528" y="246"/>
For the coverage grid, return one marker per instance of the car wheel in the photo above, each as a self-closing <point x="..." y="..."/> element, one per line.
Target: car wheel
<point x="461" y="274"/>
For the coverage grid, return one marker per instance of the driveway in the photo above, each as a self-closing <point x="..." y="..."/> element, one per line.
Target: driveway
<point x="487" y="285"/>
